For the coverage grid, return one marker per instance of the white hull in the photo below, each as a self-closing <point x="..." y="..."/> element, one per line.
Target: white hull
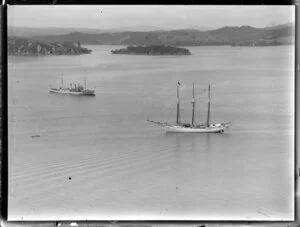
<point x="71" y="92"/>
<point x="207" y="129"/>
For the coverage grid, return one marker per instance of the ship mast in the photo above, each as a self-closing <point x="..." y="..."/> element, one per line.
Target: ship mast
<point x="208" y="106"/>
<point x="178" y="119"/>
<point x="84" y="81"/>
<point x="193" y="103"/>
<point x="62" y="81"/>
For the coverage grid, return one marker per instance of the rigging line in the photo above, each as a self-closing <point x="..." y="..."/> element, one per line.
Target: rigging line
<point x="171" y="114"/>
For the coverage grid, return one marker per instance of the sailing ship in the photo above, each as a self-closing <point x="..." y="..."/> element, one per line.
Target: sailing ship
<point x="179" y="126"/>
<point x="74" y="89"/>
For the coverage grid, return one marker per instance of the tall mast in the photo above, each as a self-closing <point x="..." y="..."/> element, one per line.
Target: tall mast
<point x="208" y="106"/>
<point x="178" y="119"/>
<point x="62" y="80"/>
<point x="193" y="103"/>
<point x="84" y="81"/>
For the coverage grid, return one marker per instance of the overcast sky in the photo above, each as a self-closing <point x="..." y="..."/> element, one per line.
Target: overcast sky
<point x="167" y="17"/>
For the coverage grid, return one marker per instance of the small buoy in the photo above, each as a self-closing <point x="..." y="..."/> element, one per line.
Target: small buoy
<point x="70" y="178"/>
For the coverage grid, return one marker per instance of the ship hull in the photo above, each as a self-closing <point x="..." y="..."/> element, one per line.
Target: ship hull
<point x="72" y="92"/>
<point x="209" y="129"/>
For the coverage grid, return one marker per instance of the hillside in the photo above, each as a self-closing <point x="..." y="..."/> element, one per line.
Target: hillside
<point x="29" y="32"/>
<point x="184" y="37"/>
<point x="44" y="31"/>
<point x="28" y="47"/>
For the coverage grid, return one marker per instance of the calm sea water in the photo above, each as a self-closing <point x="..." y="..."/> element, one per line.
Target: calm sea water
<point x="98" y="158"/>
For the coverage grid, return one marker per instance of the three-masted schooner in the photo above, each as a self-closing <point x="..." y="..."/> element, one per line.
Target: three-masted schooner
<point x="178" y="126"/>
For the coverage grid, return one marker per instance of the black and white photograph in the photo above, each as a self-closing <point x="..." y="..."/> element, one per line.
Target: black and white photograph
<point x="152" y="112"/>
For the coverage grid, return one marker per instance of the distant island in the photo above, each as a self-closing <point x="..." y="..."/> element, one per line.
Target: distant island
<point x="152" y="50"/>
<point x="18" y="46"/>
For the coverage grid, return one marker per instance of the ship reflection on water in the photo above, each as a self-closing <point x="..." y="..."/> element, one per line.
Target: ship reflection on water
<point x="199" y="149"/>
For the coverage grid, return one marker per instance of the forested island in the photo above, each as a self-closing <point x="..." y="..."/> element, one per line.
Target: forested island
<point x="152" y="50"/>
<point x="18" y="46"/>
